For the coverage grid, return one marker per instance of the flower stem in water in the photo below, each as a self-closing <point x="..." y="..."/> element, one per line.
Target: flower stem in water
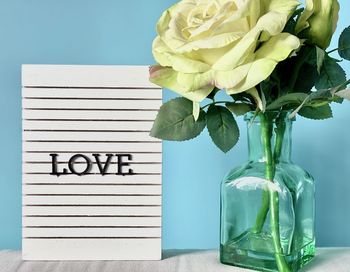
<point x="266" y="129"/>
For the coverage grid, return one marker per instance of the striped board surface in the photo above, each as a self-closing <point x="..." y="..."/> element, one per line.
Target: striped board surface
<point x="91" y="174"/>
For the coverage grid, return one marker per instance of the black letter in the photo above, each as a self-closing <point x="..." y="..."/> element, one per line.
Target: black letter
<point x="103" y="170"/>
<point x="121" y="164"/>
<point x="73" y="159"/>
<point x="54" y="171"/>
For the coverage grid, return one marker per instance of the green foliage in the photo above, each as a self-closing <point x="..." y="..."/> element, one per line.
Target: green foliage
<point x="269" y="89"/>
<point x="344" y="44"/>
<point x="298" y="74"/>
<point x="222" y="127"/>
<point x="320" y="56"/>
<point x="238" y="108"/>
<point x="288" y="99"/>
<point x="289" y="87"/>
<point x="175" y="121"/>
<point x="331" y="74"/>
<point x="316" y="113"/>
<point x="306" y="79"/>
<point x="322" y="96"/>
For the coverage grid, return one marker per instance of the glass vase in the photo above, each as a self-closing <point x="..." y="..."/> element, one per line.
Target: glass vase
<point x="267" y="204"/>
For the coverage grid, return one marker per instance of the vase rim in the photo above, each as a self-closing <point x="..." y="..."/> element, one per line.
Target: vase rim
<point x="253" y="116"/>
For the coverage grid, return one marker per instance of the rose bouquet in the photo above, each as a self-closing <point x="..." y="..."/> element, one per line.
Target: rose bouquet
<point x="270" y="58"/>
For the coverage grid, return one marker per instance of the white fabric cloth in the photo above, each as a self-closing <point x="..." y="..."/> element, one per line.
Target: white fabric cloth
<point x="327" y="260"/>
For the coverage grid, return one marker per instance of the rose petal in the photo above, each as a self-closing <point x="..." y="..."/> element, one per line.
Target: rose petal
<point x="168" y="78"/>
<point x="165" y="57"/>
<point x="269" y="54"/>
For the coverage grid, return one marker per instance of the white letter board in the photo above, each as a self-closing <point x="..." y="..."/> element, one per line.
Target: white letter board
<point x="82" y="214"/>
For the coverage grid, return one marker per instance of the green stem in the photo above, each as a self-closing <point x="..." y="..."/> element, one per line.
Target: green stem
<point x="280" y="129"/>
<point x="262" y="214"/>
<point x="275" y="232"/>
<point x="266" y="129"/>
<point x="338" y="49"/>
<point x="331" y="51"/>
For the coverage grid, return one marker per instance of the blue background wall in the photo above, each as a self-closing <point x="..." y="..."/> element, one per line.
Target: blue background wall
<point x="121" y="32"/>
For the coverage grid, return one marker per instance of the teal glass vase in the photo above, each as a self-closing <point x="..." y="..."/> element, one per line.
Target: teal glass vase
<point x="267" y="204"/>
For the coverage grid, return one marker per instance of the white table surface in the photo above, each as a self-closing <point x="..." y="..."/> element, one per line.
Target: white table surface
<point x="326" y="260"/>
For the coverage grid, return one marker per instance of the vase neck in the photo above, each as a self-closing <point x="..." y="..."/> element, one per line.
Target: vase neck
<point x="280" y="128"/>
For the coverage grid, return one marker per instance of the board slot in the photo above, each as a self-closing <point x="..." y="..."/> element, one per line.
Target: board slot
<point x="93" y="216"/>
<point x="68" y="189"/>
<point x="91" y="194"/>
<point x="92" y="98"/>
<point x="108" y="179"/>
<point x="94" y="174"/>
<point x="93" y="115"/>
<point x="69" y="227"/>
<point x="93" y="184"/>
<point x="84" y="130"/>
<point x="66" y="155"/>
<point x="85" y="141"/>
<point x="70" y="152"/>
<point x="88" y="109"/>
<point x="92" y="211"/>
<point x="88" y="205"/>
<point x="92" y="232"/>
<point x="91" y="104"/>
<point x="89" y="120"/>
<point x="65" y="162"/>
<point x="91" y="237"/>
<point x="88" y="221"/>
<point x="87" y="87"/>
<point x="113" y="202"/>
<point x="76" y="125"/>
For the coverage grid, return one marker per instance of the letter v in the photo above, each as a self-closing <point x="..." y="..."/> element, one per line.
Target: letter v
<point x="103" y="169"/>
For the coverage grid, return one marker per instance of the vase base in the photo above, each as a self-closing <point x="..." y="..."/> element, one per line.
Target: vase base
<point x="232" y="254"/>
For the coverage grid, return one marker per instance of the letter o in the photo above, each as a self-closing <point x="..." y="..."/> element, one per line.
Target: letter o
<point x="72" y="161"/>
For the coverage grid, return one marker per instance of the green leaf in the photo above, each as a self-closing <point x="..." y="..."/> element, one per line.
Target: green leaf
<point x="317" y="113"/>
<point x="321" y="95"/>
<point x="175" y="121"/>
<point x="344" y="44"/>
<point x="306" y="78"/>
<point x="320" y="56"/>
<point x="294" y="113"/>
<point x="291" y="98"/>
<point x="331" y="75"/>
<point x="238" y="108"/>
<point x="329" y="95"/>
<point x="222" y="127"/>
<point x="298" y="74"/>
